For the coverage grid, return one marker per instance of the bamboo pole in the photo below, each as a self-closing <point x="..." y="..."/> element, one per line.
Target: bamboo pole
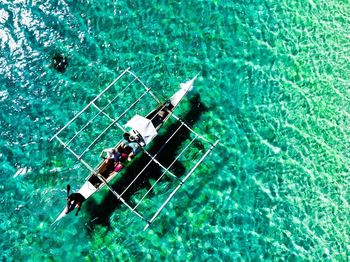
<point x="179" y="186"/>
<point x="164" y="172"/>
<point x="100" y="111"/>
<point x="115" y="121"/>
<point x="86" y="107"/>
<point x="153" y="157"/>
<point x="119" y="197"/>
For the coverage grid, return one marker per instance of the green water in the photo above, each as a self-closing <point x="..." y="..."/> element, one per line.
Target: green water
<point x="273" y="86"/>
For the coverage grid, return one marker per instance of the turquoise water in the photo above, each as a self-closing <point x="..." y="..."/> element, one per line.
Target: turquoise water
<point x="273" y="86"/>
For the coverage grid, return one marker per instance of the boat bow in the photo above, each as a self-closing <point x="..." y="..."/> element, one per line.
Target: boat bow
<point x="184" y="88"/>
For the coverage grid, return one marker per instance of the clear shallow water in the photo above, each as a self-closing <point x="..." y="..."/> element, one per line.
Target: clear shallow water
<point x="274" y="82"/>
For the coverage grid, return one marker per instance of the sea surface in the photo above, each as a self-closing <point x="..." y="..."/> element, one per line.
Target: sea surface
<point x="273" y="87"/>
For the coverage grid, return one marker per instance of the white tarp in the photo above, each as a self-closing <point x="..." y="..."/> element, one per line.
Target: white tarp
<point x="144" y="126"/>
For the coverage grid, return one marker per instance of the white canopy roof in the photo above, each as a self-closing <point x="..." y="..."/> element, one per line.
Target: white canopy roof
<point x="144" y="126"/>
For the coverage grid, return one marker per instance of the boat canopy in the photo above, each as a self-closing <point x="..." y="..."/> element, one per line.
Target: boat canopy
<point x="144" y="127"/>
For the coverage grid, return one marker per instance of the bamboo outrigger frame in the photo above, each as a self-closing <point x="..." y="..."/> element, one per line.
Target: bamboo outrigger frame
<point x="115" y="122"/>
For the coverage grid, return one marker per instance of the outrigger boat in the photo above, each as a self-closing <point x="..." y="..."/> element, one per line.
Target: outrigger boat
<point x="144" y="129"/>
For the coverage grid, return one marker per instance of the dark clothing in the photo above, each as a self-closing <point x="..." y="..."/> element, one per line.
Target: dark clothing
<point x="127" y="150"/>
<point x="123" y="152"/>
<point x="73" y="201"/>
<point x="77" y="196"/>
<point x="117" y="156"/>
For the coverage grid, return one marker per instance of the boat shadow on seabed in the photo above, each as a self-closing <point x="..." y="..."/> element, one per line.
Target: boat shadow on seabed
<point x="100" y="213"/>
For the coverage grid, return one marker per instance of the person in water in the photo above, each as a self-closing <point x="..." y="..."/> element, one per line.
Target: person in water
<point x="74" y="201"/>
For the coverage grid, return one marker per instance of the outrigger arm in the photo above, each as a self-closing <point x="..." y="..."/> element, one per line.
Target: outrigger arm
<point x="120" y="198"/>
<point x="180" y="185"/>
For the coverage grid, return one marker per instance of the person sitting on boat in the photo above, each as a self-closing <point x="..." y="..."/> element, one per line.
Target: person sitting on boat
<point x="119" y="165"/>
<point x="126" y="152"/>
<point x="110" y="154"/>
<point x="74" y="201"/>
<point x="134" y="142"/>
<point x="119" y="151"/>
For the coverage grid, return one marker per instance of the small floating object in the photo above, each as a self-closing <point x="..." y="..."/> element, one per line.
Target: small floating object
<point x="60" y="62"/>
<point x="18" y="208"/>
<point x="3" y="95"/>
<point x="21" y="171"/>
